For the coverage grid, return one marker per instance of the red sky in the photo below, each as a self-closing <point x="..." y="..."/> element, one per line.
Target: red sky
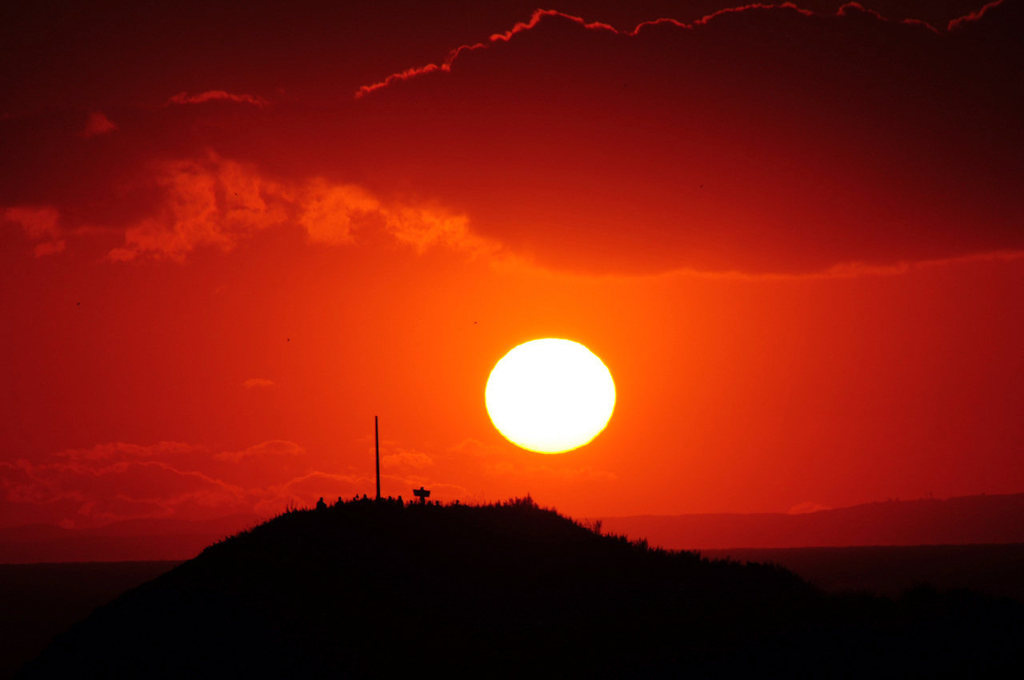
<point x="230" y="236"/>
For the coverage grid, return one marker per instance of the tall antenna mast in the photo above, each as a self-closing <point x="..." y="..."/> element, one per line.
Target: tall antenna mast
<point x="376" y="447"/>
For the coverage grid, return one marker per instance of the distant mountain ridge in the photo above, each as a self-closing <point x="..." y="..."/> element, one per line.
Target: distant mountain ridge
<point x="954" y="521"/>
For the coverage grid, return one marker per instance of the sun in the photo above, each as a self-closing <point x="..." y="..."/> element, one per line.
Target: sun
<point x="550" y="395"/>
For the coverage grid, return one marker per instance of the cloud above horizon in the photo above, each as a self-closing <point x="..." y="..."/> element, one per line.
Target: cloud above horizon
<point x="216" y="202"/>
<point x="216" y="96"/>
<point x="41" y="224"/>
<point x="98" y="124"/>
<point x="118" y="481"/>
<point x="762" y="139"/>
<point x="759" y="139"/>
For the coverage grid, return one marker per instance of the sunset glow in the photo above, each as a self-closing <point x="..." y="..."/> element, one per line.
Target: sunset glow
<point x="794" y="234"/>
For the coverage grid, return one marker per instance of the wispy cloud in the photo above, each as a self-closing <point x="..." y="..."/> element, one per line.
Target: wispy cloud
<point x="271" y="448"/>
<point x="216" y="96"/>
<point x="329" y="212"/>
<point x="405" y="460"/>
<point x="961" y="22"/>
<point x="806" y="507"/>
<point x="216" y="202"/>
<point x="121" y="480"/>
<point x="541" y="15"/>
<point x="40" y="224"/>
<point x="208" y="201"/>
<point x="97" y="124"/>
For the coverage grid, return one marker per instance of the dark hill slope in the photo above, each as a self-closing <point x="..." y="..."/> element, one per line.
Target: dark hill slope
<point x="376" y="588"/>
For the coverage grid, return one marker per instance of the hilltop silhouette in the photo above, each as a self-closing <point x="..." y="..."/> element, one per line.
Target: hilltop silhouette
<point x="370" y="588"/>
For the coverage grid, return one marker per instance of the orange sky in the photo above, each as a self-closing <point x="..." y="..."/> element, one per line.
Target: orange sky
<point x="794" y="237"/>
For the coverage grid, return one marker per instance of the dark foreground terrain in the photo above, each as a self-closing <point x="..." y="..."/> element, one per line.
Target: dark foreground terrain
<point x="376" y="588"/>
<point x="996" y="570"/>
<point x="37" y="601"/>
<point x="40" y="601"/>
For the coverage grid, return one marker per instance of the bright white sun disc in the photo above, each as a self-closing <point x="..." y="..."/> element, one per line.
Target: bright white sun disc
<point x="550" y="395"/>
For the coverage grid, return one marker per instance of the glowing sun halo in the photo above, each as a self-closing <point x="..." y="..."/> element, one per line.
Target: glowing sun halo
<point x="550" y="395"/>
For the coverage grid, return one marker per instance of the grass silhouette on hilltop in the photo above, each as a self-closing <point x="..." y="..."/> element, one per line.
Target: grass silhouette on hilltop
<point x="379" y="587"/>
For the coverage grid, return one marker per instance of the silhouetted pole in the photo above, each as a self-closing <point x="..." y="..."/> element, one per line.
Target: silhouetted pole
<point x="376" y="448"/>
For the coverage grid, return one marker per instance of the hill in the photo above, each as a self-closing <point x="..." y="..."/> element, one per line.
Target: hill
<point x="39" y="601"/>
<point x="963" y="520"/>
<point x="369" y="588"/>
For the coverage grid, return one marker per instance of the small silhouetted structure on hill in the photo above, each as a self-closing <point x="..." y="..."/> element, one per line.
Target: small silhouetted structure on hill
<point x="422" y="494"/>
<point x="320" y="505"/>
